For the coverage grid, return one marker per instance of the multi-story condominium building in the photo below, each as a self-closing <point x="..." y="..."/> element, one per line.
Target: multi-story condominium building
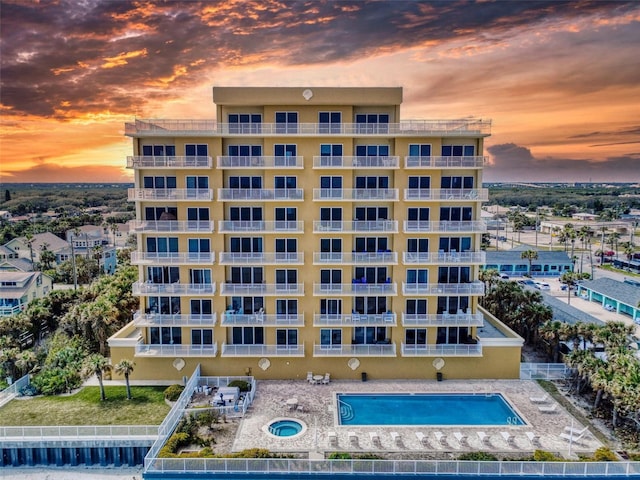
<point x="311" y="229"/>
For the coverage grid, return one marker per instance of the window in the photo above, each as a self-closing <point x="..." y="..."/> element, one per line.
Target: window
<point x="331" y="214"/>
<point x="372" y="150"/>
<point x="199" y="245"/>
<point x="196" y="150"/>
<point x="202" y="336"/>
<point x="165" y="335"/>
<point x="247" y="335"/>
<point x="420" y="182"/>
<point x="330" y="245"/>
<point x="201" y="307"/>
<point x="285" y="214"/>
<point x="285" y="182"/>
<point x="418" y="214"/>
<point x="200" y="276"/>
<point x="372" y="122"/>
<point x="454" y="244"/>
<point x="247" y="305"/>
<point x="244" y="122"/>
<point x="246" y="244"/>
<point x="369" y="335"/>
<point x="197" y="182"/>
<point x="245" y="213"/>
<point x="286" y="306"/>
<point x="453" y="304"/>
<point x="159" y="150"/>
<point x="286" y="336"/>
<point x="417" y="276"/>
<point x="160" y="213"/>
<point x="370" y="305"/>
<point x="416" y="306"/>
<point x="330" y="187"/>
<point x="371" y="274"/>
<point x="159" y="182"/>
<point x="331" y="306"/>
<point x="454" y="274"/>
<point x="162" y="244"/>
<point x="247" y="275"/>
<point x="452" y="335"/>
<point x="286" y="245"/>
<point x="245" y="150"/>
<point x="245" y="182"/>
<point x="458" y="150"/>
<point x="456" y="182"/>
<point x="164" y="305"/>
<point x="415" y="245"/>
<point x="198" y="214"/>
<point x="286" y="122"/>
<point x="287" y="277"/>
<point x="329" y="122"/>
<point x="371" y="244"/>
<point x="330" y="337"/>
<point x="285" y="154"/>
<point x="372" y="182"/>
<point x="415" y="336"/>
<point x="330" y="276"/>
<point x="456" y="214"/>
<point x="328" y="150"/>
<point x="419" y="150"/>
<point x="371" y="213"/>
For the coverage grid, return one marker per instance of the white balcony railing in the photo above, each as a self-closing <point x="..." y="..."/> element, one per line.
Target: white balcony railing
<point x="351" y="162"/>
<point x="262" y="162"/>
<point x="354" y="319"/>
<point x="471" y="226"/>
<point x="229" y="350"/>
<point x="261" y="258"/>
<point x="356" y="226"/>
<point x="474" y="350"/>
<point x="7" y="311"/>
<point x="446" y="194"/>
<point x="355" y="258"/>
<point x="427" y="258"/>
<point x="261" y="194"/>
<point x="172" y="258"/>
<point x="442" y="320"/>
<point x="156" y="350"/>
<point x="171" y="226"/>
<point x="353" y="289"/>
<point x="144" y="161"/>
<point x="265" y="289"/>
<point x="356" y="194"/>
<point x="473" y="288"/>
<point x="445" y="162"/>
<point x="166" y="320"/>
<point x="169" y="194"/>
<point x="448" y="128"/>
<point x="374" y="350"/>
<point x="145" y="288"/>
<point x="260" y="226"/>
<point x="230" y="319"/>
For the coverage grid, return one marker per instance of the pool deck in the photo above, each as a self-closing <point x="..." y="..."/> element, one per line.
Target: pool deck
<point x="318" y="413"/>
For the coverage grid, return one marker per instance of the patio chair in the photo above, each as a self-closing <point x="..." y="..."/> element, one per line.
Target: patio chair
<point x="422" y="438"/>
<point x="333" y="438"/>
<point x="508" y="438"/>
<point x="326" y="379"/>
<point x="533" y="438"/>
<point x="353" y="438"/>
<point x="484" y="439"/>
<point x="441" y="438"/>
<point x="395" y="437"/>
<point x="461" y="438"/>
<point x="310" y="377"/>
<point x="375" y="439"/>
<point x="548" y="408"/>
<point x="541" y="399"/>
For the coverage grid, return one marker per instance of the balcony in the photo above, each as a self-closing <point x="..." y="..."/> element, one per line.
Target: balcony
<point x="354" y="289"/>
<point x="356" y="226"/>
<point x="442" y="320"/>
<point x="261" y="258"/>
<point x="442" y="350"/>
<point x="260" y="226"/>
<point x="229" y="350"/>
<point x="154" y="350"/>
<point x="261" y="194"/>
<point x="264" y="289"/>
<point x="172" y="258"/>
<point x="259" y="162"/>
<point x="170" y="226"/>
<point x="230" y="319"/>
<point x="454" y="226"/>
<point x="206" y="128"/>
<point x="375" y="350"/>
<point x="7" y="311"/>
<point x="196" y="289"/>
<point x="175" y="320"/>
<point x="355" y="258"/>
<point x="356" y="194"/>
<point x="169" y="194"/>
<point x="445" y="162"/>
<point x="473" y="288"/>
<point x="356" y="163"/>
<point x="446" y="194"/>
<point x="168" y="162"/>
<point x="439" y="258"/>
<point x="354" y="320"/>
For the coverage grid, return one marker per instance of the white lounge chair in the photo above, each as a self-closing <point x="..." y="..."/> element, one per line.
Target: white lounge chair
<point x="441" y="438"/>
<point x="484" y="439"/>
<point x="461" y="438"/>
<point x="573" y="438"/>
<point x="548" y="408"/>
<point x="332" y="437"/>
<point x="576" y="431"/>
<point x="395" y="436"/>
<point x="533" y="438"/>
<point x="375" y="439"/>
<point x="541" y="399"/>
<point x="508" y="438"/>
<point x="353" y="438"/>
<point x="422" y="438"/>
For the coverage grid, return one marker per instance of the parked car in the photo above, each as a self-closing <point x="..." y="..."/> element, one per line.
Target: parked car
<point x="527" y="283"/>
<point x="542" y="285"/>
<point x="504" y="276"/>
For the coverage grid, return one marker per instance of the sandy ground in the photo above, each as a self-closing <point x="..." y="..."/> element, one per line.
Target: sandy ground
<point x="63" y="473"/>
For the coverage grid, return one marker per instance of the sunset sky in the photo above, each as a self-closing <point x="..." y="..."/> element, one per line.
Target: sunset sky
<point x="560" y="80"/>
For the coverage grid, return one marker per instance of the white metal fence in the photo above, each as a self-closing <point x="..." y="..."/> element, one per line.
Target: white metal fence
<point x="543" y="371"/>
<point x="13" y="390"/>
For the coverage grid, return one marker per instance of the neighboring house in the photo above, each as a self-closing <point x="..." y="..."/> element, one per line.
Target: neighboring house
<point x="613" y="295"/>
<point x="90" y="240"/>
<point x="548" y="263"/>
<point x="21" y="246"/>
<point x="17" y="289"/>
<point x="5" y="215"/>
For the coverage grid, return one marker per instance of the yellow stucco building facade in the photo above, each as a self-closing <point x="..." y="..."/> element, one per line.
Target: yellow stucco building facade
<point x="311" y="229"/>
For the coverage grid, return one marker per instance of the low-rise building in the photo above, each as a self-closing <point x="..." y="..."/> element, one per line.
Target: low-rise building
<point x="510" y="262"/>
<point x="17" y="289"/>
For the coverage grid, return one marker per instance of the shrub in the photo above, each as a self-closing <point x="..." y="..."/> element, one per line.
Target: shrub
<point x="340" y="456"/>
<point x="478" y="457"/>
<point x="173" y="392"/>
<point x="544" y="456"/>
<point x="172" y="445"/>
<point x="604" y="454"/>
<point x="253" y="453"/>
<point x="28" y="391"/>
<point x="241" y="384"/>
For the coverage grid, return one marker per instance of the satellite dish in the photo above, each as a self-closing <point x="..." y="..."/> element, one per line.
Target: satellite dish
<point x="438" y="363"/>
<point x="353" y="363"/>
<point x="307" y="94"/>
<point x="264" y="363"/>
<point x="178" y="364"/>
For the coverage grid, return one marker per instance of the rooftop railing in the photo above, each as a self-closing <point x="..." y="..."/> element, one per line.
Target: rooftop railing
<point x="362" y="350"/>
<point x="260" y="226"/>
<point x="357" y="162"/>
<point x="171" y="226"/>
<point x="144" y="161"/>
<point x="474" y="350"/>
<point x="229" y="350"/>
<point x="157" y="350"/>
<point x="261" y="161"/>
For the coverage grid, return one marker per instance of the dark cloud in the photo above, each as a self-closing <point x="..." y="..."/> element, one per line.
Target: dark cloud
<point x="62" y="59"/>
<point x="54" y="173"/>
<point x="510" y="162"/>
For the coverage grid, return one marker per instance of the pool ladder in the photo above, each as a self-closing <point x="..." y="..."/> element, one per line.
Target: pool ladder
<point x="346" y="411"/>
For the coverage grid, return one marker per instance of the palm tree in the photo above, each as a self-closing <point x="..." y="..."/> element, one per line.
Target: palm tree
<point x="570" y="279"/>
<point x="47" y="257"/>
<point x="97" y="365"/>
<point x="125" y="367"/>
<point x="612" y="239"/>
<point x="529" y="255"/>
<point x="554" y="232"/>
<point x="552" y="331"/>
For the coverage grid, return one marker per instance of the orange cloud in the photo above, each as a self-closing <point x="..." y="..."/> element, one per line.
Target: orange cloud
<point x="121" y="59"/>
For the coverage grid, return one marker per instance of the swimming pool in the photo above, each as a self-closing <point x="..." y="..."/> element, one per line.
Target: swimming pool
<point x="425" y="409"/>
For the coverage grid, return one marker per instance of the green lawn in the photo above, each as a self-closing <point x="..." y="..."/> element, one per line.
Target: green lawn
<point x="85" y="408"/>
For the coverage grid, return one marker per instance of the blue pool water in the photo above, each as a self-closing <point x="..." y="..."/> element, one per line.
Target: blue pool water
<point x="426" y="409"/>
<point x="285" y="428"/>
